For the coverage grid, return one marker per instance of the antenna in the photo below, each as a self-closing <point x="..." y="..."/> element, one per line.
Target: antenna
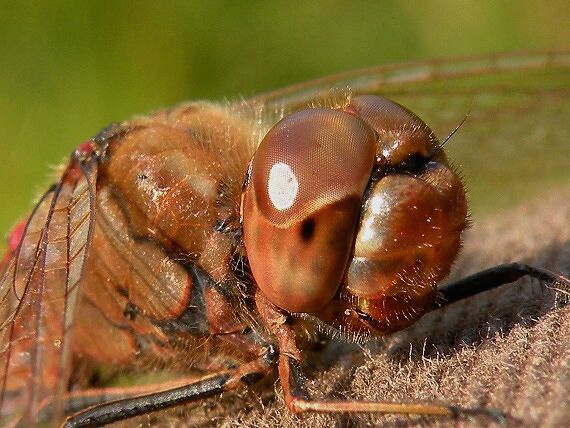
<point x="444" y="142"/>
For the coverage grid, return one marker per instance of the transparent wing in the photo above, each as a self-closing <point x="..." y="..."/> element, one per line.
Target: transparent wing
<point x="514" y="142"/>
<point x="39" y="292"/>
<point x="420" y="77"/>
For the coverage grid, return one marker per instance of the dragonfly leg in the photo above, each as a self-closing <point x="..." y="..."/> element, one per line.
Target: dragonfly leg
<point x="77" y="401"/>
<point x="491" y="278"/>
<point x="208" y="386"/>
<point x="298" y="399"/>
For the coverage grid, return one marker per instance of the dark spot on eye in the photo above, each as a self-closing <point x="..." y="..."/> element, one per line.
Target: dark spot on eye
<point x="308" y="229"/>
<point x="142" y="177"/>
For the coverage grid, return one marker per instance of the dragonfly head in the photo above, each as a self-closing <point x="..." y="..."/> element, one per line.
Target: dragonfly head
<point x="352" y="214"/>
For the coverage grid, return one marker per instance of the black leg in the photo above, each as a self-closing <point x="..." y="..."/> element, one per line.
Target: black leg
<point x="207" y="387"/>
<point x="80" y="400"/>
<point x="491" y="278"/>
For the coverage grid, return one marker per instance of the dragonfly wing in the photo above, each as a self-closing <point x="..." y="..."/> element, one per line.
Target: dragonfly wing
<point x="39" y="292"/>
<point x="416" y="77"/>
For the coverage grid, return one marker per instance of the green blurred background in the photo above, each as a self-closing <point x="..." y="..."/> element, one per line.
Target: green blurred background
<point x="68" y="68"/>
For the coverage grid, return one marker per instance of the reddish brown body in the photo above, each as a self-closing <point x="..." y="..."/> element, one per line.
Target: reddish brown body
<point x="164" y="189"/>
<point x="212" y="236"/>
<point x="159" y="206"/>
<point x="167" y="265"/>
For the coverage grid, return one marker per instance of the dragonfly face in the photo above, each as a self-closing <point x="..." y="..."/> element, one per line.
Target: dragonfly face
<point x="361" y="199"/>
<point x="230" y="237"/>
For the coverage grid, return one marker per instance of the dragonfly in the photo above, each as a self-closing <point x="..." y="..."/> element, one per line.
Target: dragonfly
<point x="233" y="240"/>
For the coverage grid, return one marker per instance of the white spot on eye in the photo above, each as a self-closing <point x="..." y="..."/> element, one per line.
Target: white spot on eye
<point x="283" y="186"/>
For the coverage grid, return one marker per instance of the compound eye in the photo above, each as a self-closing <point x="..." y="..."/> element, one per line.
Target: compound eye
<point x="302" y="203"/>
